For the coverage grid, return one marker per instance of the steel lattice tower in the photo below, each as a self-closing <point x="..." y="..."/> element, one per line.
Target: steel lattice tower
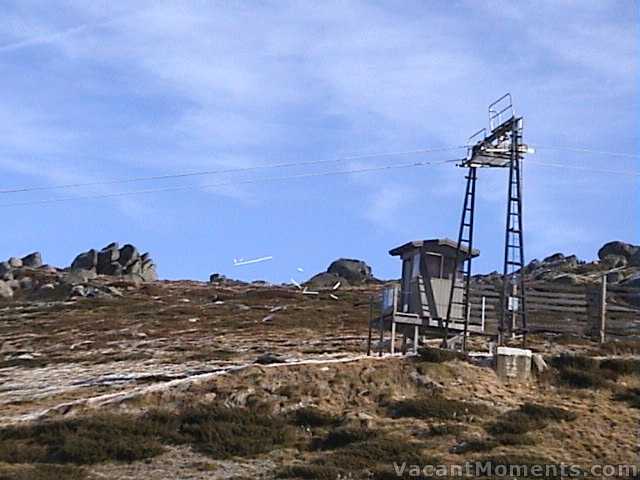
<point x="501" y="147"/>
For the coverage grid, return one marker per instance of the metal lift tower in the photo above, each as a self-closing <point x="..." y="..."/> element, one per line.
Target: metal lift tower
<point x="501" y="147"/>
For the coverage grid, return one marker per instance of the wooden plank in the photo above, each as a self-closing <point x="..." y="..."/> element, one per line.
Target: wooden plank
<point x="539" y="301"/>
<point x="531" y="293"/>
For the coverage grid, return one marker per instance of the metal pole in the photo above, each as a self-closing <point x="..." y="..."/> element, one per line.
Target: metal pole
<point x="514" y="310"/>
<point x="393" y="337"/>
<point x="381" y="339"/>
<point x="603" y="309"/>
<point x="370" y="325"/>
<point x="381" y="324"/>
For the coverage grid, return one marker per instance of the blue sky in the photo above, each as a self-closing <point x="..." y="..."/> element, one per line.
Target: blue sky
<point x="104" y="90"/>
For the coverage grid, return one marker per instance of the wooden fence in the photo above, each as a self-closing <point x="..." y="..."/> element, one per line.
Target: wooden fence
<point x="564" y="308"/>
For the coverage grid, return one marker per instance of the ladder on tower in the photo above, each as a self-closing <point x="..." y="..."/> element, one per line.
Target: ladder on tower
<point x="513" y="311"/>
<point x="464" y="254"/>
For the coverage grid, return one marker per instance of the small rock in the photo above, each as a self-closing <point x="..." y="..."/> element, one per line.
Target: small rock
<point x="26" y="283"/>
<point x="615" y="261"/>
<point x="114" y="269"/>
<point x="33" y="260"/>
<point x="135" y="267"/>
<point x="5" y="290"/>
<point x="85" y="261"/>
<point x="567" y="279"/>
<point x="15" y="262"/>
<point x="269" y="358"/>
<point x="106" y="257"/>
<point x="539" y="362"/>
<point x="556" y="257"/>
<point x="5" y="271"/>
<point x="148" y="271"/>
<point x="78" y="291"/>
<point x="128" y="255"/>
<point x="113" y="291"/>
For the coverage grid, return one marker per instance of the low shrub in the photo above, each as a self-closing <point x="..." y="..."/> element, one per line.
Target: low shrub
<point x="508" y="439"/>
<point x="475" y="445"/>
<point x="629" y="395"/>
<point x="621" y="347"/>
<point x="555" y="414"/>
<point x="515" y="422"/>
<point x="435" y="406"/>
<point x="447" y="429"/>
<point x="311" y="472"/>
<point x="530" y="416"/>
<point x="344" y="436"/>
<point x="84" y="440"/>
<point x="217" y="431"/>
<point x="381" y="451"/>
<point x="314" y="417"/>
<point x="353" y="460"/>
<point x="621" y="366"/>
<point x="439" y="355"/>
<point x="577" y="371"/>
<point x="227" y="432"/>
<point x="594" y="379"/>
<point x="576" y="362"/>
<point x="42" y="472"/>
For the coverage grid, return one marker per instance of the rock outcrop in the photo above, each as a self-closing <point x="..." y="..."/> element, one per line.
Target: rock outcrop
<point x="620" y="254"/>
<point x="623" y="258"/>
<point x="22" y="274"/>
<point x="114" y="261"/>
<point x="354" y="271"/>
<point x="91" y="274"/>
<point x="348" y="272"/>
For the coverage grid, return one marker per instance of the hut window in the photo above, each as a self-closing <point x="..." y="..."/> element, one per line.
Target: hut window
<point x="449" y="267"/>
<point x="415" y="267"/>
<point x="435" y="265"/>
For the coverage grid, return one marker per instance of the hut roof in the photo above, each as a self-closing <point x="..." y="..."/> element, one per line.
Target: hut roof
<point x="440" y="245"/>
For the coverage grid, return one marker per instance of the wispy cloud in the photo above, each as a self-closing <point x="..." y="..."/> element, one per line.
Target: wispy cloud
<point x="98" y="90"/>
